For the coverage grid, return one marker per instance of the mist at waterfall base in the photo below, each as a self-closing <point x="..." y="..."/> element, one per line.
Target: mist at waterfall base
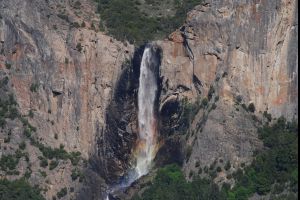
<point x="147" y="145"/>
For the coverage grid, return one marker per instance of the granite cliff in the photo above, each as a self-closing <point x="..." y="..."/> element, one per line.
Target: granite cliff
<point x="77" y="87"/>
<point x="233" y="53"/>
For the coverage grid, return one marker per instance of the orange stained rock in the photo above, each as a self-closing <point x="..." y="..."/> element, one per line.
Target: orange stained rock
<point x="22" y="90"/>
<point x="260" y="90"/>
<point x="176" y="37"/>
<point x="281" y="98"/>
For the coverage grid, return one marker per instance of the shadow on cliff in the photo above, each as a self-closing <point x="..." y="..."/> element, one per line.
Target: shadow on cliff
<point x="113" y="152"/>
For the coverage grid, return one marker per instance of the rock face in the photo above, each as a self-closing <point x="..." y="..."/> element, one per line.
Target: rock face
<point x="76" y="82"/>
<point x="233" y="53"/>
<point x="115" y="147"/>
<point x="63" y="70"/>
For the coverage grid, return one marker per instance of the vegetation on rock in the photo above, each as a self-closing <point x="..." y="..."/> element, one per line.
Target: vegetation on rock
<point x="19" y="190"/>
<point x="275" y="166"/>
<point x="170" y="183"/>
<point x="8" y="109"/>
<point x="63" y="192"/>
<point x="10" y="164"/>
<point x="140" y="21"/>
<point x="274" y="171"/>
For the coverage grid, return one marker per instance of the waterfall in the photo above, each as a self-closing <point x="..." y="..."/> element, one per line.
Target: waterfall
<point x="146" y="146"/>
<point x="147" y="141"/>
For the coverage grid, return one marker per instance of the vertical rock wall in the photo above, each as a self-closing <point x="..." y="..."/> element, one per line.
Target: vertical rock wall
<point x="232" y="51"/>
<point x="63" y="70"/>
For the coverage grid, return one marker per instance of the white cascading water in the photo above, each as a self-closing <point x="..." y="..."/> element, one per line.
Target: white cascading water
<point x="147" y="143"/>
<point x="146" y="147"/>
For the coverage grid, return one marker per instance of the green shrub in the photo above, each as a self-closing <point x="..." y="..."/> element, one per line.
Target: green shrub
<point x="57" y="153"/>
<point x="213" y="165"/>
<point x="79" y="47"/>
<point x="53" y="164"/>
<point x="238" y="174"/>
<point x="7" y="139"/>
<point x="51" y="153"/>
<point x="2" y="122"/>
<point x="213" y="174"/>
<point x="225" y="74"/>
<point x="211" y="92"/>
<point x="239" y="99"/>
<point x="189" y="151"/>
<point x="43" y="162"/>
<point x="64" y="17"/>
<point x="77" y="5"/>
<point x="7" y="65"/>
<point x="43" y="173"/>
<point x="200" y="171"/>
<point x="19" y="154"/>
<point x="4" y="82"/>
<point x="268" y="116"/>
<point x="191" y="174"/>
<point x="28" y="173"/>
<point x="34" y="87"/>
<point x="217" y="98"/>
<point x="13" y="113"/>
<point x="63" y="192"/>
<point x="77" y="174"/>
<point x="74" y="157"/>
<point x="205" y="170"/>
<point x="8" y="162"/>
<point x="189" y="112"/>
<point x="229" y="176"/>
<point x="214" y="106"/>
<point x="227" y="166"/>
<point x="27" y="132"/>
<point x="22" y="145"/>
<point x="31" y="114"/>
<point x="75" y="25"/>
<point x="204" y="102"/>
<point x="245" y="107"/>
<point x="251" y="107"/>
<point x="8" y="109"/>
<point x="19" y="190"/>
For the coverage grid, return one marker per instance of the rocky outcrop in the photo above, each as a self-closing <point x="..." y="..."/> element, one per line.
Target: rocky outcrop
<point x="243" y="52"/>
<point x="64" y="71"/>
<point x="115" y="147"/>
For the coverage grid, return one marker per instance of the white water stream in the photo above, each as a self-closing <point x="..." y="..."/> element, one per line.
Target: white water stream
<point x="147" y="143"/>
<point x="146" y="147"/>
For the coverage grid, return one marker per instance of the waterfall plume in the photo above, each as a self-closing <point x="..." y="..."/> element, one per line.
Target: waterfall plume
<point x="146" y="145"/>
<point x="147" y="140"/>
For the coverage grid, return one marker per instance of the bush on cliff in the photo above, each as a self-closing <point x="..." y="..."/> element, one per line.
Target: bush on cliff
<point x="277" y="164"/>
<point x="273" y="168"/>
<point x="170" y="183"/>
<point x="19" y="190"/>
<point x="125" y="19"/>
